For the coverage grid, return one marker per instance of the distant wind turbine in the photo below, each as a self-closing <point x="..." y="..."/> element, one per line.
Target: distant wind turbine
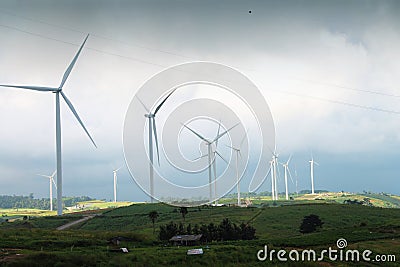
<point x="238" y="154"/>
<point x="115" y="183"/>
<point x="312" y="163"/>
<point x="51" y="182"/>
<point x="271" y="171"/>
<point x="287" y="171"/>
<point x="209" y="144"/>
<point x="153" y="134"/>
<point x="274" y="173"/>
<point x="59" y="90"/>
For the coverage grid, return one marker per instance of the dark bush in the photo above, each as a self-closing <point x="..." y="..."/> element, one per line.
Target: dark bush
<point x="310" y="224"/>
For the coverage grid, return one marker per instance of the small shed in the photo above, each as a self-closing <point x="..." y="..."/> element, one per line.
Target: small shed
<point x="186" y="240"/>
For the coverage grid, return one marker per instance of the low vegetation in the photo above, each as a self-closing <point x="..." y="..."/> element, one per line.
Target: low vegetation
<point x="225" y="231"/>
<point x="29" y="202"/>
<point x="35" y="242"/>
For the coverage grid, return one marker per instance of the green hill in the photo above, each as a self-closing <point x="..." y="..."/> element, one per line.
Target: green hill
<point x="87" y="244"/>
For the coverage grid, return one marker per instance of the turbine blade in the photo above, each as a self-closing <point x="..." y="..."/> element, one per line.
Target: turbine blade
<point x="221" y="156"/>
<point x="203" y="156"/>
<point x="155" y="137"/>
<point x="162" y="103"/>
<point x="71" y="65"/>
<point x="54" y="183"/>
<point x="44" y="175"/>
<point x="278" y="172"/>
<point x="219" y="128"/>
<point x="290" y="175"/>
<point x="31" y="87"/>
<point x="148" y="111"/>
<point x="290" y="157"/>
<point x="77" y="116"/>
<point x="197" y="134"/>
<point x="231" y="147"/>
<point x="118" y="168"/>
<point x="316" y="163"/>
<point x="54" y="173"/>
<point x="269" y="171"/>
<point x="220" y="135"/>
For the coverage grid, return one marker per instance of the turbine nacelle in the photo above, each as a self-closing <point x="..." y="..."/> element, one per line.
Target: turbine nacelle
<point x="150" y="115"/>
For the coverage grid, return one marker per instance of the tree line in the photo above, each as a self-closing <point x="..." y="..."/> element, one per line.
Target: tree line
<point x="29" y="202"/>
<point x="224" y="231"/>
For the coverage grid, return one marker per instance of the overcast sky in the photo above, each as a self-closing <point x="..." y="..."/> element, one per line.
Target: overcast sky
<point x="328" y="70"/>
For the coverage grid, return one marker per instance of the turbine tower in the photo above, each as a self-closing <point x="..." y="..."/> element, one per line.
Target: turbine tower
<point x="274" y="173"/>
<point x="271" y="170"/>
<point x="115" y="183"/>
<point x="312" y="163"/>
<point x="238" y="154"/>
<point x="59" y="90"/>
<point x="275" y="163"/>
<point x="209" y="144"/>
<point x="287" y="171"/>
<point x="153" y="134"/>
<point x="51" y="182"/>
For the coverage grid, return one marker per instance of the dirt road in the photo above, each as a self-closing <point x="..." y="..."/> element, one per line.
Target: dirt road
<point x="68" y="225"/>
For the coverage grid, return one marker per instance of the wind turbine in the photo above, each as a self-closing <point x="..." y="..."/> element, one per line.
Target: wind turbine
<point x="153" y="134"/>
<point x="238" y="154"/>
<point x="274" y="173"/>
<point x="115" y="183"/>
<point x="209" y="149"/>
<point x="295" y="173"/>
<point x="59" y="90"/>
<point x="271" y="170"/>
<point x="214" y="163"/>
<point x="287" y="171"/>
<point x="215" y="153"/>
<point x="51" y="182"/>
<point x="312" y="162"/>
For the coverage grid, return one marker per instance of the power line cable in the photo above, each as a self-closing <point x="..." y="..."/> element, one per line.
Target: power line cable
<point x="163" y="66"/>
<point x="179" y="55"/>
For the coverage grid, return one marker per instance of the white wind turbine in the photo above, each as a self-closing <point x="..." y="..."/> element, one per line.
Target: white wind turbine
<point x="312" y="163"/>
<point x="153" y="134"/>
<point x="209" y="144"/>
<point x="271" y="170"/>
<point x="115" y="183"/>
<point x="287" y="171"/>
<point x="51" y="182"/>
<point x="274" y="173"/>
<point x="59" y="90"/>
<point x="238" y="154"/>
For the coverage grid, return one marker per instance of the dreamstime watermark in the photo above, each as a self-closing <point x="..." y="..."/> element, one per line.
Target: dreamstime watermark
<point x="332" y="254"/>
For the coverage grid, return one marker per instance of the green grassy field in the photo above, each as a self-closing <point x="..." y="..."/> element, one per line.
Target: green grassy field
<point x="93" y="205"/>
<point x="86" y="244"/>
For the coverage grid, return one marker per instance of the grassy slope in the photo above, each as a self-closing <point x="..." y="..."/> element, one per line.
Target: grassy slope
<point x="276" y="226"/>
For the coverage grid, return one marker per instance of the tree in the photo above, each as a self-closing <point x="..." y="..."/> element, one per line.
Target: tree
<point x="183" y="211"/>
<point x="189" y="230"/>
<point x="153" y="215"/>
<point x="226" y="230"/>
<point x="167" y="231"/>
<point x="247" y="232"/>
<point x="310" y="224"/>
